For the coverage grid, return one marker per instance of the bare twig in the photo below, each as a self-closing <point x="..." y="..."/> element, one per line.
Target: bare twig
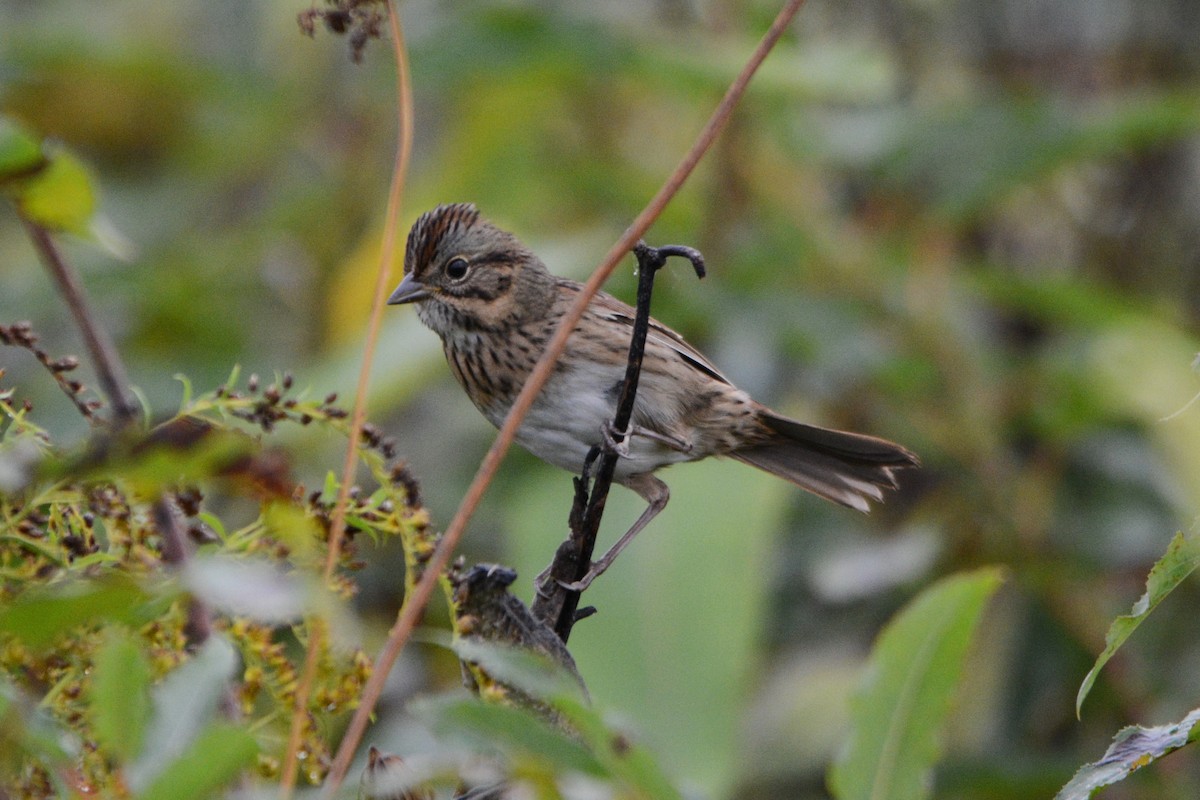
<point x="114" y="381"/>
<point x="556" y="605"/>
<point x="21" y="334"/>
<point x="198" y="627"/>
<point x="414" y="605"/>
<point x="338" y="524"/>
<point x="109" y="369"/>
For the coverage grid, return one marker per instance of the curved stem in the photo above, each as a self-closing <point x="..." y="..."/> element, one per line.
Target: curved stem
<point x="415" y="605"/>
<point x="337" y="529"/>
<point x="110" y="370"/>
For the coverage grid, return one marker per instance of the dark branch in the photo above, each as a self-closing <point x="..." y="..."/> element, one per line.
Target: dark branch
<point x="198" y="627"/>
<point x="556" y="605"/>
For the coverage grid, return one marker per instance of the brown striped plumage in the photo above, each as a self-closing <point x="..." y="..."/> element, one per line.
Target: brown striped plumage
<point x="495" y="306"/>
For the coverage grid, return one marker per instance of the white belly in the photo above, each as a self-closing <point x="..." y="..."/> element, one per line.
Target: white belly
<point x="565" y="422"/>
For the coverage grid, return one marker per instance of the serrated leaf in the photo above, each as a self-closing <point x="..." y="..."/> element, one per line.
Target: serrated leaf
<point x="901" y="704"/>
<point x="184" y="703"/>
<point x="38" y="616"/>
<point x="214" y="759"/>
<point x="1132" y="749"/>
<point x="20" y="151"/>
<point x="120" y="693"/>
<point x="60" y="196"/>
<point x="1180" y="560"/>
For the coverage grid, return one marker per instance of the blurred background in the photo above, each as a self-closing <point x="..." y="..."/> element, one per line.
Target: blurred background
<point x="972" y="227"/>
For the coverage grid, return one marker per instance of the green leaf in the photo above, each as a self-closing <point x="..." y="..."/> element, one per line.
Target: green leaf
<point x="120" y="694"/>
<point x="254" y="588"/>
<point x="214" y="522"/>
<point x="59" y="197"/>
<point x="517" y="733"/>
<point x="186" y="400"/>
<point x="38" y="616"/>
<point x="292" y="526"/>
<point x="164" y="464"/>
<point x="184" y="703"/>
<point x="1181" y="559"/>
<point x="180" y="451"/>
<point x="1132" y="748"/>
<point x="214" y="759"/>
<point x="540" y="677"/>
<point x="626" y="760"/>
<point x="27" y="729"/>
<point x="901" y="704"/>
<point x="20" y="151"/>
<point x="329" y="492"/>
<point x="532" y="672"/>
<point x="676" y="644"/>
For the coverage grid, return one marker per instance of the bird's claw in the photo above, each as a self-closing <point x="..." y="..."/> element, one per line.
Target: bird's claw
<point x="618" y="441"/>
<point x="580" y="585"/>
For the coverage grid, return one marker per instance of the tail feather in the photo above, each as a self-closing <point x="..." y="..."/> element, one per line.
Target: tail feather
<point x="847" y="468"/>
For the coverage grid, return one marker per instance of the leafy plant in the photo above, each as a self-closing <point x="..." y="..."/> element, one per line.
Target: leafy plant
<point x="1136" y="747"/>
<point x="93" y="616"/>
<point x="904" y="698"/>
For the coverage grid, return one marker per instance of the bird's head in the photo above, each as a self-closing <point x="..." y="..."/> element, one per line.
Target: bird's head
<point x="464" y="272"/>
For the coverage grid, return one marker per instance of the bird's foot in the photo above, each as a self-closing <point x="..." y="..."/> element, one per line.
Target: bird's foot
<point x="581" y="584"/>
<point x="618" y="441"/>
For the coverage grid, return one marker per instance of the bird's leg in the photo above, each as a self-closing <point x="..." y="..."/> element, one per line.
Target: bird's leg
<point x="656" y="494"/>
<point x="618" y="441"/>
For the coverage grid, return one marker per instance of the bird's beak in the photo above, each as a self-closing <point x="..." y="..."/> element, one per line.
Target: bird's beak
<point x="410" y="290"/>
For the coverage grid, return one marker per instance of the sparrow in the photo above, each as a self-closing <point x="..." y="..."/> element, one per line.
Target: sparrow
<point x="495" y="306"/>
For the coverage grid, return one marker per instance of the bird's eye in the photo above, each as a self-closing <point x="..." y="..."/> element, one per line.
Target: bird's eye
<point x="456" y="268"/>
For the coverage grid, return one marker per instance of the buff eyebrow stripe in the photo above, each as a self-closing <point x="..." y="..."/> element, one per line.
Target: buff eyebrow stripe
<point x="496" y="257"/>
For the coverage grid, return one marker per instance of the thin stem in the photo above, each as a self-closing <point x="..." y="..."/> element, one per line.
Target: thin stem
<point x="109" y="369"/>
<point x="415" y="604"/>
<point x="21" y="334"/>
<point x="198" y="627"/>
<point x="114" y="381"/>
<point x="338" y="524"/>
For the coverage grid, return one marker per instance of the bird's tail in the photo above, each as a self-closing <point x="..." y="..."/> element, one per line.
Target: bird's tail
<point x="847" y="468"/>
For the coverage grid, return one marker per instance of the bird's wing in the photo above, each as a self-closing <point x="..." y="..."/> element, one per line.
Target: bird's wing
<point x="610" y="308"/>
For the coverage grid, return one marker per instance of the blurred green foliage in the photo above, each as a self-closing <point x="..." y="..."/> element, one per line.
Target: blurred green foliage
<point x="93" y="610"/>
<point x="970" y="227"/>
